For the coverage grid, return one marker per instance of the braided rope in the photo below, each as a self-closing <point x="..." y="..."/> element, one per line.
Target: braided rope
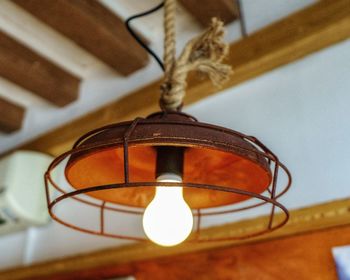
<point x="203" y="54"/>
<point x="170" y="36"/>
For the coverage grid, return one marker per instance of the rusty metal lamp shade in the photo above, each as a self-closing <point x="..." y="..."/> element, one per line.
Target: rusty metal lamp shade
<point x="113" y="170"/>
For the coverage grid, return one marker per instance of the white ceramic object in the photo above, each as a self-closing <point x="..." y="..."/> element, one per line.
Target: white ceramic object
<point x="22" y="191"/>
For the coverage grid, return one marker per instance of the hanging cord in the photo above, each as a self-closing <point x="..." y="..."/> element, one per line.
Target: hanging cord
<point x="203" y="54"/>
<point x="137" y="37"/>
<point x="169" y="37"/>
<point x="242" y="22"/>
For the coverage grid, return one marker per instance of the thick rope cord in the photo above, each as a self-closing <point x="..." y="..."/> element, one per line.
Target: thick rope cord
<point x="203" y="54"/>
<point x="170" y="36"/>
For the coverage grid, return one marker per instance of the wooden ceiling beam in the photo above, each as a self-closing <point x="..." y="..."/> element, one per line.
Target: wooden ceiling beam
<point x="314" y="28"/>
<point x="318" y="217"/>
<point x="285" y="258"/>
<point x="35" y="73"/>
<point x="204" y="10"/>
<point x="93" y="27"/>
<point x="11" y="116"/>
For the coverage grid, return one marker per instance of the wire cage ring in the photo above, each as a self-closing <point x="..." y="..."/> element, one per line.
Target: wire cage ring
<point x="130" y="137"/>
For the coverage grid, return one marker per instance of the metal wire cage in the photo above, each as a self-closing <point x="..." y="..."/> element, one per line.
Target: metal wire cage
<point x="109" y="175"/>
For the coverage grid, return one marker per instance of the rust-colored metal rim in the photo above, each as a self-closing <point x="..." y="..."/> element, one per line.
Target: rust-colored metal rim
<point x="262" y="155"/>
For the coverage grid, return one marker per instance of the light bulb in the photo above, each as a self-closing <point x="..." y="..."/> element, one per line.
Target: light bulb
<point x="168" y="220"/>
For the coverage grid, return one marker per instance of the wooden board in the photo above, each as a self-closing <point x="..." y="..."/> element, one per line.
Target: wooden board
<point x="93" y="27"/>
<point x="11" y="116"/>
<point x="318" y="26"/>
<point x="318" y="217"/>
<point x="35" y="73"/>
<point x="204" y="10"/>
<point x="303" y="257"/>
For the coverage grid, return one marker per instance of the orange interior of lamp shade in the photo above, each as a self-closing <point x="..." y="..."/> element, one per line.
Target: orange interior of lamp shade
<point x="201" y="165"/>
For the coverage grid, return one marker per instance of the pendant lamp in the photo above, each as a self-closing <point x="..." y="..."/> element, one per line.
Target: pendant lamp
<point x="168" y="174"/>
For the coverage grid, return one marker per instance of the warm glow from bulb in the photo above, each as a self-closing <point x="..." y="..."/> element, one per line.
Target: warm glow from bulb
<point x="168" y="220"/>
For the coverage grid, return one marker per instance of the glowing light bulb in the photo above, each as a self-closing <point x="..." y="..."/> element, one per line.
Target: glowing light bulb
<point x="168" y="220"/>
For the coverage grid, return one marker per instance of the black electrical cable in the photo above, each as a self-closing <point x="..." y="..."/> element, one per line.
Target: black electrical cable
<point x="242" y="22"/>
<point x="137" y="37"/>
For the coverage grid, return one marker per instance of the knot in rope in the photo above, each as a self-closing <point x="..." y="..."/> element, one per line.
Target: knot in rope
<point x="203" y="54"/>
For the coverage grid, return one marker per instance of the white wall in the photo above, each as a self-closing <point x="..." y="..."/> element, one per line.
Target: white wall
<point x="301" y="111"/>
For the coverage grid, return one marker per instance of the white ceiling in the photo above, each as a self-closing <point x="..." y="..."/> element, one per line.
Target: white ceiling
<point x="101" y="84"/>
<point x="300" y="111"/>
